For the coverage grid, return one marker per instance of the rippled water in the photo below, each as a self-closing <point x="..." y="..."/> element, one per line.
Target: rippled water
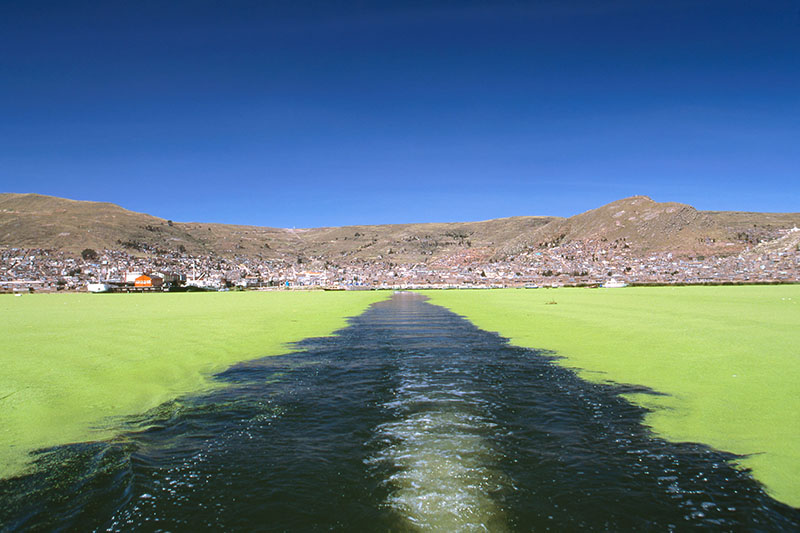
<point x="409" y="419"/>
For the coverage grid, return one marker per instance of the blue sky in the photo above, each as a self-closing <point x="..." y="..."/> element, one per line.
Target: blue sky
<point x="320" y="113"/>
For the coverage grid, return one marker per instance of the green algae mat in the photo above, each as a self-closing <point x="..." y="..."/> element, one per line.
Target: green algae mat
<point x="726" y="359"/>
<point x="73" y="363"/>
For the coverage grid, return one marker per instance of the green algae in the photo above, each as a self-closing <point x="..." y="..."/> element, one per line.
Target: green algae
<point x="726" y="358"/>
<point x="73" y="363"/>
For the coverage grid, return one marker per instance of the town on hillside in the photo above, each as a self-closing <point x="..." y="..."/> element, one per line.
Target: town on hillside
<point x="577" y="263"/>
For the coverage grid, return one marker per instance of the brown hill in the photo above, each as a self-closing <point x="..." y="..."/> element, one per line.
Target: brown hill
<point x="409" y="243"/>
<point x="642" y="225"/>
<point x="638" y="223"/>
<point x="32" y="220"/>
<point x="36" y="221"/>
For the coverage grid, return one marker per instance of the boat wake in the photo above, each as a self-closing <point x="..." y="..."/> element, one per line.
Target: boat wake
<point x="441" y="466"/>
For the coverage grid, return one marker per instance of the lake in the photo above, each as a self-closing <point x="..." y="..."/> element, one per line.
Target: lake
<point x="411" y="418"/>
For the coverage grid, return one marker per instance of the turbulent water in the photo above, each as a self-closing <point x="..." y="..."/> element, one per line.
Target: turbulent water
<point x="411" y="419"/>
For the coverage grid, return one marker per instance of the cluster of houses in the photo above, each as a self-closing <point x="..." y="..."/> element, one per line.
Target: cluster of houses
<point x="590" y="263"/>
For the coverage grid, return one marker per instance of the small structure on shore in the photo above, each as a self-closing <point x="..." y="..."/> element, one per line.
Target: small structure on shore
<point x="145" y="282"/>
<point x="98" y="287"/>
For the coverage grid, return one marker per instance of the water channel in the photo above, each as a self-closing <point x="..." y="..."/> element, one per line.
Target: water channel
<point x="410" y="419"/>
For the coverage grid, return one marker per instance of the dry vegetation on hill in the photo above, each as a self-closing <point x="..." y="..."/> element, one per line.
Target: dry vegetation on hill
<point x="645" y="226"/>
<point x="638" y="223"/>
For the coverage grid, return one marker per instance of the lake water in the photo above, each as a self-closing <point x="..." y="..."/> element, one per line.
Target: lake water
<point x="410" y="419"/>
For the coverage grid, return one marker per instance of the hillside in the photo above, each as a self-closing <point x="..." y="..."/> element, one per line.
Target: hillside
<point x="404" y="243"/>
<point x="642" y="225"/>
<point x="637" y="223"/>
<point x="36" y="221"/>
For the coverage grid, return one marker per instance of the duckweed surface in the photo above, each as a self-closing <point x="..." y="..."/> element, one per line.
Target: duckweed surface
<point x="410" y="419"/>
<point x="725" y="359"/>
<point x="73" y="364"/>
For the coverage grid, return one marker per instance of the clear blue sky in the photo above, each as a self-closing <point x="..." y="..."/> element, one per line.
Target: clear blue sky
<point x="301" y="113"/>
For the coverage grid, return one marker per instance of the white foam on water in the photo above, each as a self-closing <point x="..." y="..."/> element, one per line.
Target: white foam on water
<point x="442" y="462"/>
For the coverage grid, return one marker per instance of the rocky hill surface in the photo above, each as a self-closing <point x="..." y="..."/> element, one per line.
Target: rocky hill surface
<point x="638" y="224"/>
<point x="643" y="225"/>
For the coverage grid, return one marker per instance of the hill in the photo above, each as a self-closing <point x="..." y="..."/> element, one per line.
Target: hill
<point x="637" y="223"/>
<point x="643" y="225"/>
<point x="37" y="221"/>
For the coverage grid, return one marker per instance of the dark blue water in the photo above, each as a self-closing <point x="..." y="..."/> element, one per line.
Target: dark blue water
<point x="410" y="419"/>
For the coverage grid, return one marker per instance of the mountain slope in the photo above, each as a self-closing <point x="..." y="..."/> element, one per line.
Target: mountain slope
<point x="642" y="225"/>
<point x="32" y="220"/>
<point x="637" y="223"/>
<point x="37" y="221"/>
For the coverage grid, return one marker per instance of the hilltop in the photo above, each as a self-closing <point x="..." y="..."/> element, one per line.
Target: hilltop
<point x="643" y="225"/>
<point x="637" y="224"/>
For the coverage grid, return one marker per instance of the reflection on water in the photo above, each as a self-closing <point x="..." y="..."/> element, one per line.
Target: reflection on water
<point x="409" y="419"/>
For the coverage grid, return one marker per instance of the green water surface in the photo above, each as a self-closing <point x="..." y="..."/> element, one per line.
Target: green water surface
<point x="73" y="363"/>
<point x="727" y="359"/>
